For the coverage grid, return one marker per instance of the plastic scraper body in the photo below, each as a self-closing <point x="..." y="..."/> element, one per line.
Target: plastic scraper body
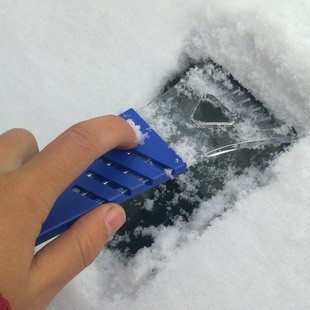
<point x="116" y="176"/>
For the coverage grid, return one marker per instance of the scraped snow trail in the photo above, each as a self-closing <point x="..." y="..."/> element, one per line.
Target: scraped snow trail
<point x="64" y="62"/>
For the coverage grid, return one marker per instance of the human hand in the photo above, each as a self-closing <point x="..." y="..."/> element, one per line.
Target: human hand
<point x="30" y="182"/>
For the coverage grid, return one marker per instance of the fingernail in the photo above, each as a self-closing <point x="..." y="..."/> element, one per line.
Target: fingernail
<point x="114" y="220"/>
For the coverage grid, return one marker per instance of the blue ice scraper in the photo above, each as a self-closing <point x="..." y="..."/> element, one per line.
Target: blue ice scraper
<point x="115" y="177"/>
<point x="207" y="115"/>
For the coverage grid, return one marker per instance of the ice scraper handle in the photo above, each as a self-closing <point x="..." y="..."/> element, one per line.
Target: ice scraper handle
<point x="116" y="176"/>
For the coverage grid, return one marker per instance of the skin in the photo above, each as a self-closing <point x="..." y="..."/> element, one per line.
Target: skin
<point x="30" y="182"/>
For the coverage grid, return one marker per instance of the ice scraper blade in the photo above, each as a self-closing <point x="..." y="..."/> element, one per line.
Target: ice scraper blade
<point x="208" y="110"/>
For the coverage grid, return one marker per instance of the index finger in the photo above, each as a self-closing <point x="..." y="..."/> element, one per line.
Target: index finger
<point x="51" y="171"/>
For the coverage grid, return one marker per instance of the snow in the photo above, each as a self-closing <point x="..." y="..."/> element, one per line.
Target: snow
<point x="253" y="257"/>
<point x="66" y="61"/>
<point x="169" y="173"/>
<point x="137" y="129"/>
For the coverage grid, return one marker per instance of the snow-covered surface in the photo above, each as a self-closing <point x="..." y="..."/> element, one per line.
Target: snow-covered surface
<point x="64" y="61"/>
<point x="137" y="129"/>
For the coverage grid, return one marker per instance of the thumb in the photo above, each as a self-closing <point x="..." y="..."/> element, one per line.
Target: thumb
<point x="62" y="259"/>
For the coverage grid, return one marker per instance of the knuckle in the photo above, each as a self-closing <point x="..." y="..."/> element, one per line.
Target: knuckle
<point x="87" y="249"/>
<point x="83" y="136"/>
<point x="22" y="134"/>
<point x="23" y="138"/>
